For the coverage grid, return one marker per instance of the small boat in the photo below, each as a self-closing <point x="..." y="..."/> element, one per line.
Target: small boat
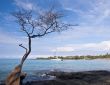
<point x="57" y="59"/>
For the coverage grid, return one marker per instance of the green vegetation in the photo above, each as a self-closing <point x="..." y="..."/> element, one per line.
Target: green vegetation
<point x="88" y="57"/>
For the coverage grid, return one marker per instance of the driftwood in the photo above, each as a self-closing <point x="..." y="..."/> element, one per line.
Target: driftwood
<point x="15" y="77"/>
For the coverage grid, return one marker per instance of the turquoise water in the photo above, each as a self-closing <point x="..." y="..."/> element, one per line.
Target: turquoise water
<point x="38" y="67"/>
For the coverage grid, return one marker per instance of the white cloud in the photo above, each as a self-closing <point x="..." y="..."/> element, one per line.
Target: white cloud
<point x="90" y="11"/>
<point x="101" y="46"/>
<point x="63" y="49"/>
<point x="36" y="56"/>
<point x="84" y="32"/>
<point x="24" y="4"/>
<point x="104" y="45"/>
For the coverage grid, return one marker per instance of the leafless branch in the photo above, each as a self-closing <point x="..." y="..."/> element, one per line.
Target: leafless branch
<point x="39" y="26"/>
<point x="23" y="47"/>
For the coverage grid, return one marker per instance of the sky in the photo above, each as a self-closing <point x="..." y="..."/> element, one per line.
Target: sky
<point x="90" y="37"/>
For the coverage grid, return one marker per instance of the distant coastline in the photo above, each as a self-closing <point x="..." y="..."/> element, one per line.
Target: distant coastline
<point x="87" y="57"/>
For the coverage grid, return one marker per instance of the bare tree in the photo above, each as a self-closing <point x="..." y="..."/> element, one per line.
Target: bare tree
<point x="35" y="26"/>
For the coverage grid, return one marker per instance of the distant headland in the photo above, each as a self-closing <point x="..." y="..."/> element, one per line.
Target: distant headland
<point x="87" y="57"/>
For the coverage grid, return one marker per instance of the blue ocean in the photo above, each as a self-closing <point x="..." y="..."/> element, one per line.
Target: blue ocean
<point x="39" y="67"/>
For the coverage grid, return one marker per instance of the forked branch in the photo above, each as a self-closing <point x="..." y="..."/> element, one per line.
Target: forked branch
<point x="23" y="47"/>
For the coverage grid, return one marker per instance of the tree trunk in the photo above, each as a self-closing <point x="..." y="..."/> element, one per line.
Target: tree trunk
<point x="14" y="76"/>
<point x="28" y="51"/>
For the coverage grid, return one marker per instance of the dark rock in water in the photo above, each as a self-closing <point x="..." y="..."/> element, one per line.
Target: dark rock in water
<point x="74" y="78"/>
<point x="22" y="77"/>
<point x="83" y="78"/>
<point x="2" y="82"/>
<point x="79" y="75"/>
<point x="43" y="77"/>
<point x="51" y="82"/>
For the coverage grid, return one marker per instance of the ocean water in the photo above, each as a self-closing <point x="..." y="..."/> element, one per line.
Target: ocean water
<point x="39" y="67"/>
